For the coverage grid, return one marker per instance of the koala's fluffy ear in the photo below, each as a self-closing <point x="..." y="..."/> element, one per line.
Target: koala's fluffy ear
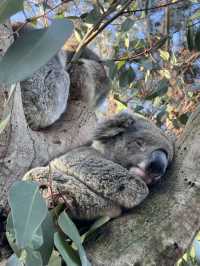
<point x="112" y="127"/>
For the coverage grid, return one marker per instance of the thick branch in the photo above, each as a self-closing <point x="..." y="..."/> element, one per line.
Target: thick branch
<point x="161" y="229"/>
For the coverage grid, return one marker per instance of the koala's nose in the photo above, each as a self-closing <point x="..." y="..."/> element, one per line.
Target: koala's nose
<point x="157" y="163"/>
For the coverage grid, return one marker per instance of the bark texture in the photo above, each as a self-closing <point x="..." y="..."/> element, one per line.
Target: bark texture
<point x="158" y="231"/>
<point x="22" y="148"/>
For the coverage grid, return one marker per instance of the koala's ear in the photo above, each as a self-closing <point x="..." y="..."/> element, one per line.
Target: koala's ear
<point x="113" y="126"/>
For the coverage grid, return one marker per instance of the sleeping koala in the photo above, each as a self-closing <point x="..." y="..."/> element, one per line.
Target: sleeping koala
<point x="110" y="174"/>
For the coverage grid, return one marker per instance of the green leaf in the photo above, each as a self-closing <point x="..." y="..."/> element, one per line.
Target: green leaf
<point x="9" y="8"/>
<point x="126" y="77"/>
<point x="164" y="55"/>
<point x="32" y="50"/>
<point x="92" y="17"/>
<point x="55" y="259"/>
<point x="28" y="210"/>
<point x="190" y="38"/>
<point x="69" y="255"/>
<point x="196" y="15"/>
<point x="161" y="89"/>
<point x="33" y="258"/>
<point x="10" y="234"/>
<point x="127" y="25"/>
<point x="197" y="40"/>
<point x="71" y="231"/>
<point x="120" y="64"/>
<point x="14" y="261"/>
<point x="97" y="224"/>
<point x="47" y="229"/>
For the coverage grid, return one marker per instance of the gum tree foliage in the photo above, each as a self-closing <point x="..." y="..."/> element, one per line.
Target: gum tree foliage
<point x="151" y="49"/>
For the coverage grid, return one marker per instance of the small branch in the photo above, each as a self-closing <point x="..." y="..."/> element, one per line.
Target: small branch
<point x="90" y="35"/>
<point x="152" y="8"/>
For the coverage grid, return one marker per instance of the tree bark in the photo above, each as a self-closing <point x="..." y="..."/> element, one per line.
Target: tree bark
<point x="158" y="231"/>
<point x="22" y="148"/>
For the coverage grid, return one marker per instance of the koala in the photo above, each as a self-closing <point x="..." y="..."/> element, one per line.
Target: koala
<point x="110" y="174"/>
<point x="46" y="93"/>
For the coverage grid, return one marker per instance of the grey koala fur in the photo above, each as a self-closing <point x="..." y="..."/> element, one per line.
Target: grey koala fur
<point x="45" y="95"/>
<point x="99" y="178"/>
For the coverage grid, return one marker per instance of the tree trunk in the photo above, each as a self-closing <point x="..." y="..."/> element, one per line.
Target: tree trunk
<point x="163" y="227"/>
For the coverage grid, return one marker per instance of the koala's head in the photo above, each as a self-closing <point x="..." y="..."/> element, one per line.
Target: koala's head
<point x="135" y="143"/>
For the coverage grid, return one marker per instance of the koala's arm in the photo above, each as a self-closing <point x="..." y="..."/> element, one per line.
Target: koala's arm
<point x="90" y="185"/>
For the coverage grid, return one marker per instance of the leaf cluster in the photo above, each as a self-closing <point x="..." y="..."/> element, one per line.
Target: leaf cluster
<point x="39" y="236"/>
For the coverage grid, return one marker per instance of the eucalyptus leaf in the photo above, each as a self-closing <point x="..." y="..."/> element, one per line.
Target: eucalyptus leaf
<point x="47" y="229"/>
<point x="71" y="231"/>
<point x="10" y="234"/>
<point x="97" y="224"/>
<point x="92" y="16"/>
<point x="127" y="25"/>
<point x="197" y="40"/>
<point x="28" y="210"/>
<point x="32" y="50"/>
<point x="55" y="259"/>
<point x="190" y="38"/>
<point x="33" y="258"/>
<point x="197" y="250"/>
<point x="9" y="8"/>
<point x="69" y="255"/>
<point x="37" y="239"/>
<point x="14" y="261"/>
<point x="161" y="89"/>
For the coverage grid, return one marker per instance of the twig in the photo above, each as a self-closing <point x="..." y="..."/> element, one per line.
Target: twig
<point x="152" y="8"/>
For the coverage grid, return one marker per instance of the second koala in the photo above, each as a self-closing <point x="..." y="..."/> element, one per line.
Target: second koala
<point x="45" y="94"/>
<point x="112" y="173"/>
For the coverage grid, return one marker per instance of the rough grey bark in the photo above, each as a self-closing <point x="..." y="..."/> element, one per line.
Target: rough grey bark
<point x="163" y="227"/>
<point x="22" y="148"/>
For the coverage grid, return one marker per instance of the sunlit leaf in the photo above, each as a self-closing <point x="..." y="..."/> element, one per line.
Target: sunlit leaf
<point x="120" y="64"/>
<point x="9" y="8"/>
<point x="164" y="55"/>
<point x="165" y="73"/>
<point x="30" y="51"/>
<point x="28" y="210"/>
<point x="55" y="259"/>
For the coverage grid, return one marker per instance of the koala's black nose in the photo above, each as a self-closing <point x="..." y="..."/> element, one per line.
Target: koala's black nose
<point x="157" y="163"/>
